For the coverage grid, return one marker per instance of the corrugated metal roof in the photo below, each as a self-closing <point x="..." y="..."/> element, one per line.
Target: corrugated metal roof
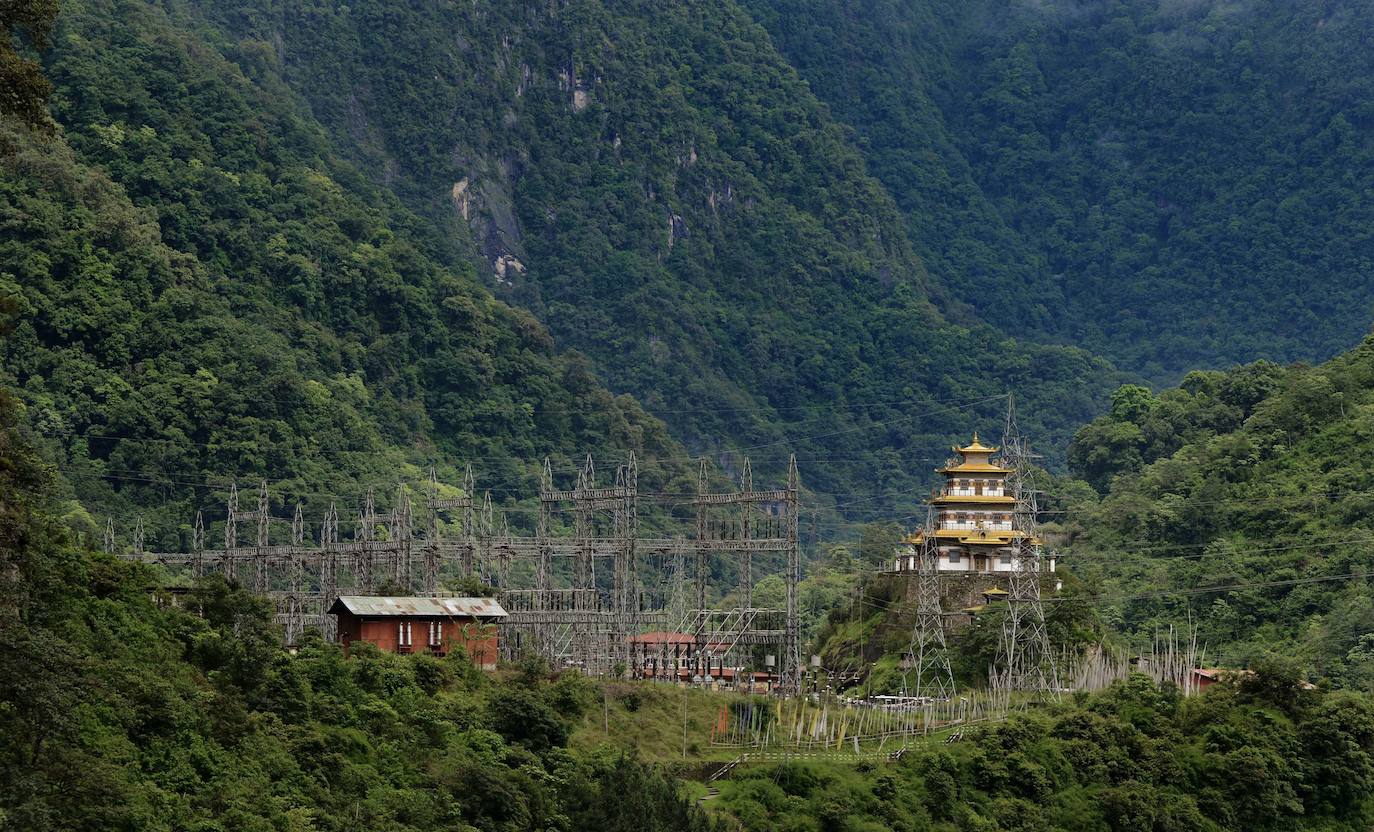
<point x="387" y="605"/>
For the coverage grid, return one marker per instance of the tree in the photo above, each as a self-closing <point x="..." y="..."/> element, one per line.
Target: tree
<point x="23" y="88"/>
<point x="522" y="716"/>
<point x="1338" y="738"/>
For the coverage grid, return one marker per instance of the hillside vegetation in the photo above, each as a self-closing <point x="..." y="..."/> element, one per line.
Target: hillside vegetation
<point x="1257" y="756"/>
<point x="334" y="245"/>
<point x="1171" y="185"/>
<point x="120" y="712"/>
<point x="201" y="290"/>
<point x="1238" y="503"/>
<point x="1241" y="499"/>
<point x="657" y="185"/>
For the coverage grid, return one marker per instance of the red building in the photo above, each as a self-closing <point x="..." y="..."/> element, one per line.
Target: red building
<point x="680" y="657"/>
<point x="428" y="625"/>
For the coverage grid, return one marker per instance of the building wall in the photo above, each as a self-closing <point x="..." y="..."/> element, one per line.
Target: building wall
<point x="479" y="639"/>
<point x="905" y="561"/>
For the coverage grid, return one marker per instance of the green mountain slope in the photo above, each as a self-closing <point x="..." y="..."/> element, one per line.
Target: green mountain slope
<point x="659" y="187"/>
<point x="1259" y="757"/>
<point x="205" y="291"/>
<point x="1170" y="185"/>
<point x="1239" y="503"/>
<point x="1242" y="500"/>
<point x="120" y="712"/>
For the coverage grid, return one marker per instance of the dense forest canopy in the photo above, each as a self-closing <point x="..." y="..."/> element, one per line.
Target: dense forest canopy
<point x="23" y="88"/>
<point x="656" y="184"/>
<point x="204" y="291"/>
<point x="1171" y="185"/>
<point x="1245" y="497"/>
<point x="119" y="711"/>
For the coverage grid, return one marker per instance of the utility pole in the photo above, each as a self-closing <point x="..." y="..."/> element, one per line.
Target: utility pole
<point x="863" y="645"/>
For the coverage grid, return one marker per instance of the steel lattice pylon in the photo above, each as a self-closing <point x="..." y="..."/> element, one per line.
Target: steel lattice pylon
<point x="929" y="673"/>
<point x="559" y="605"/>
<point x="1024" y="660"/>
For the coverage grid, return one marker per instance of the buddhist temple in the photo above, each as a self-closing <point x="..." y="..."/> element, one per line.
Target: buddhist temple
<point x="974" y="530"/>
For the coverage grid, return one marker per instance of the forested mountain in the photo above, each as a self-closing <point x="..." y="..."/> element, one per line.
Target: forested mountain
<point x="120" y="712"/>
<point x="334" y="245"/>
<point x="1242" y="500"/>
<point x="267" y="272"/>
<point x="1172" y="185"/>
<point x="203" y="290"/>
<point x="658" y="186"/>
<point x="1238" y="503"/>
<point x="235" y="258"/>
<point x="1260" y="756"/>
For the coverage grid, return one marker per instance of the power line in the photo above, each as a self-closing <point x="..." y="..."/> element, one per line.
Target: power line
<point x="1188" y="500"/>
<point x="680" y="458"/>
<point x="840" y="525"/>
<point x="1223" y="588"/>
<point x="1107" y="557"/>
<point x="1104" y="598"/>
<point x="755" y="409"/>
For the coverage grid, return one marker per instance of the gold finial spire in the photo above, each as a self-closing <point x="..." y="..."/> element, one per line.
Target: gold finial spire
<point x="975" y="447"/>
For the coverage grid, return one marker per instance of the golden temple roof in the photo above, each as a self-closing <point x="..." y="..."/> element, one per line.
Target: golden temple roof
<point x="985" y="537"/>
<point x="975" y="460"/>
<point x="975" y="447"/>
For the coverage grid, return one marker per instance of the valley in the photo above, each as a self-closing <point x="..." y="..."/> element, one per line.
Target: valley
<point x="620" y="369"/>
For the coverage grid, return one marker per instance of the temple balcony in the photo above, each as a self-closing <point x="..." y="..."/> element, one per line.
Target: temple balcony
<point x="971" y="526"/>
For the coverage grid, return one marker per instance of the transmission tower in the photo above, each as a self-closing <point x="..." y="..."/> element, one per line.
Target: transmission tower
<point x="329" y="569"/>
<point x="1024" y="660"/>
<point x="929" y="673"/>
<point x="198" y="546"/>
<point x="295" y="604"/>
<point x="401" y="534"/>
<point x="363" y="566"/>
<point x="791" y="677"/>
<point x="431" y="576"/>
<point x="231" y="532"/>
<point x="569" y="615"/>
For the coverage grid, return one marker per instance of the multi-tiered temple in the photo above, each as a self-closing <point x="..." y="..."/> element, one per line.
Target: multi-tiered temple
<point x="974" y="513"/>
